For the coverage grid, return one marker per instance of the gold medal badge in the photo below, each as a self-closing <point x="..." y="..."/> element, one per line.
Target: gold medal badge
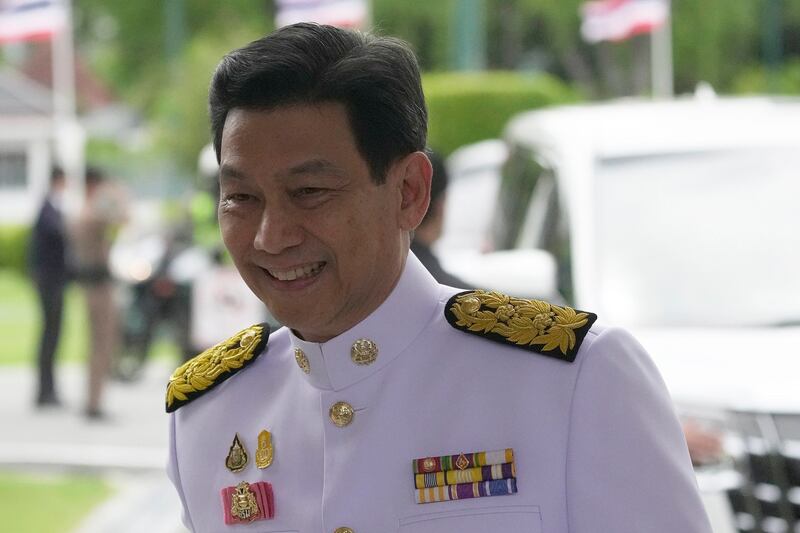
<point x="243" y="503"/>
<point x="265" y="451"/>
<point x="237" y="456"/>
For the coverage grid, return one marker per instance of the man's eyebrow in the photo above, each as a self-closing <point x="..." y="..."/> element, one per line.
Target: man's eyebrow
<point x="315" y="166"/>
<point x="229" y="172"/>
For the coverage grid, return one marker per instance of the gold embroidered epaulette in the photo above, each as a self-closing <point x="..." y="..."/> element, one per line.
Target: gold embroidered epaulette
<point x="535" y="325"/>
<point x="204" y="372"/>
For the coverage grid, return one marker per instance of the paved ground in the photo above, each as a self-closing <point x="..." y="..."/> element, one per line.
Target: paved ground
<point x="129" y="449"/>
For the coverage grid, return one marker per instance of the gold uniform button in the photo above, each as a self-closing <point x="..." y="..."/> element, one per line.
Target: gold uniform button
<point x="343" y="530"/>
<point x="302" y="360"/>
<point x="341" y="414"/>
<point x="364" y="352"/>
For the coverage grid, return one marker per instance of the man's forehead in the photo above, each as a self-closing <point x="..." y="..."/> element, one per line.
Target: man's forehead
<point x="237" y="115"/>
<point x="289" y="141"/>
<point x="247" y="126"/>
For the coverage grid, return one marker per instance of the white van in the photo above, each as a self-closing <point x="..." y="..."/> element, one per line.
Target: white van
<point x="679" y="220"/>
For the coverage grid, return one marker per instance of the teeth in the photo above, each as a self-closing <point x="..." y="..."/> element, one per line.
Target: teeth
<point x="304" y="271"/>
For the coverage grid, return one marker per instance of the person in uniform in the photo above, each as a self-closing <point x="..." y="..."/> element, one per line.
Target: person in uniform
<point x="389" y="402"/>
<point x="92" y="237"/>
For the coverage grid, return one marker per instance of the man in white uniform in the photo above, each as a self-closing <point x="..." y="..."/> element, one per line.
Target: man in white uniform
<point x="390" y="403"/>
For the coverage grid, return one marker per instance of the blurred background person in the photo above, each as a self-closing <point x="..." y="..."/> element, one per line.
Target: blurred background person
<point x="429" y="231"/>
<point x="705" y="444"/>
<point x="48" y="268"/>
<point x="103" y="211"/>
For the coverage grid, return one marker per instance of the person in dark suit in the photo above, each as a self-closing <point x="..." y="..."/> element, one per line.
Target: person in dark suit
<point x="48" y="268"/>
<point x="430" y="229"/>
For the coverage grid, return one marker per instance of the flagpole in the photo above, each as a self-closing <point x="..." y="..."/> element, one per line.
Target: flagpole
<point x="69" y="136"/>
<point x="661" y="58"/>
<point x="368" y="23"/>
<point x="63" y="65"/>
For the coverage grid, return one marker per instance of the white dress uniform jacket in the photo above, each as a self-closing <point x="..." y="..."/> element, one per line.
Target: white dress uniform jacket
<point x="597" y="446"/>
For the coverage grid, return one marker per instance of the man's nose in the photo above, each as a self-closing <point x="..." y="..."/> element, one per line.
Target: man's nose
<point x="277" y="231"/>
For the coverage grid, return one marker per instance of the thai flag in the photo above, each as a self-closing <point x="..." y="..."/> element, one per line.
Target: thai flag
<point x="617" y="20"/>
<point x="31" y="20"/>
<point x="342" y="13"/>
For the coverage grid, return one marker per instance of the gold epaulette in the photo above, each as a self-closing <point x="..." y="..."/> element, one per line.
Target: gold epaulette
<point x="204" y="372"/>
<point x="535" y="325"/>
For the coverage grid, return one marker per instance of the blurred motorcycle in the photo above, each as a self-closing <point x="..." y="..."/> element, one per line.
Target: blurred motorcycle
<point x="157" y="272"/>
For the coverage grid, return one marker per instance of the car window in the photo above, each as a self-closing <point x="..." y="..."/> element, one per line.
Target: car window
<point x="699" y="239"/>
<point x="545" y="226"/>
<point x="519" y="178"/>
<point x="469" y="201"/>
<point x="529" y="213"/>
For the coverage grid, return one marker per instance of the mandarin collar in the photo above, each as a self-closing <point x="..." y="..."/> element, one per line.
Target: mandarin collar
<point x="392" y="327"/>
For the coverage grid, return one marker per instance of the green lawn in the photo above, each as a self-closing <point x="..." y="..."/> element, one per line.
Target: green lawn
<point x="47" y="504"/>
<point x="19" y="324"/>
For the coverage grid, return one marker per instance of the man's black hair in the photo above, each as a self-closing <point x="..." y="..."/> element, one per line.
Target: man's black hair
<point x="57" y="175"/>
<point x="94" y="176"/>
<point x="375" y="78"/>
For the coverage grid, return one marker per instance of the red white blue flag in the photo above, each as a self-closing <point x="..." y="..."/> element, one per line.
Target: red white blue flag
<point x="617" y="20"/>
<point x="31" y="20"/>
<point x="341" y="13"/>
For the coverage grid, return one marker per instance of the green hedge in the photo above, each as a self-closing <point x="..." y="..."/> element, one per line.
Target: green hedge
<point x="469" y="107"/>
<point x="760" y="79"/>
<point x="14" y="247"/>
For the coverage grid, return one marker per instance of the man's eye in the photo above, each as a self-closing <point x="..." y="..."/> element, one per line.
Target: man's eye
<point x="233" y="200"/>
<point x="237" y="197"/>
<point x="308" y="191"/>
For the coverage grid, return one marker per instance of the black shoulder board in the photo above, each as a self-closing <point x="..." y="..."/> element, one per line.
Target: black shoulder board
<point x="204" y="372"/>
<point x="535" y="325"/>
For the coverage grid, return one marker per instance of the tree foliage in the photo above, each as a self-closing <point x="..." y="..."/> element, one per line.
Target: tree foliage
<point x="162" y="65"/>
<point x="713" y="40"/>
<point x="132" y="39"/>
<point x="426" y="25"/>
<point x="181" y="111"/>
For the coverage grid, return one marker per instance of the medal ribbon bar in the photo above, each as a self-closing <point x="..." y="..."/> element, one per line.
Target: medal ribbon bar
<point x="462" y="461"/>
<point x="466" y="490"/>
<point x="470" y="475"/>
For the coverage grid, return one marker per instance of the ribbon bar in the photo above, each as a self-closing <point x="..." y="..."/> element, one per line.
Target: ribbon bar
<point x="466" y="490"/>
<point x="470" y="475"/>
<point x="462" y="461"/>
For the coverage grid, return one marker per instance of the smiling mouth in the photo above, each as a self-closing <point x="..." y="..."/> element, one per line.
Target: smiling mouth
<point x="301" y="272"/>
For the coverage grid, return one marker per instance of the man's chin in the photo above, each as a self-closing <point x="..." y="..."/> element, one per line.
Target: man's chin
<point x="310" y="333"/>
<point x="295" y="317"/>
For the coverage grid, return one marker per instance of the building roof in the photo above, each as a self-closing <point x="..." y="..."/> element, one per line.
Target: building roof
<point x="20" y="96"/>
<point x="91" y="91"/>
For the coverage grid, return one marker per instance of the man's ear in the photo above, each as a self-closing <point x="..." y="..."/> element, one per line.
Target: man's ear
<point x="414" y="173"/>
